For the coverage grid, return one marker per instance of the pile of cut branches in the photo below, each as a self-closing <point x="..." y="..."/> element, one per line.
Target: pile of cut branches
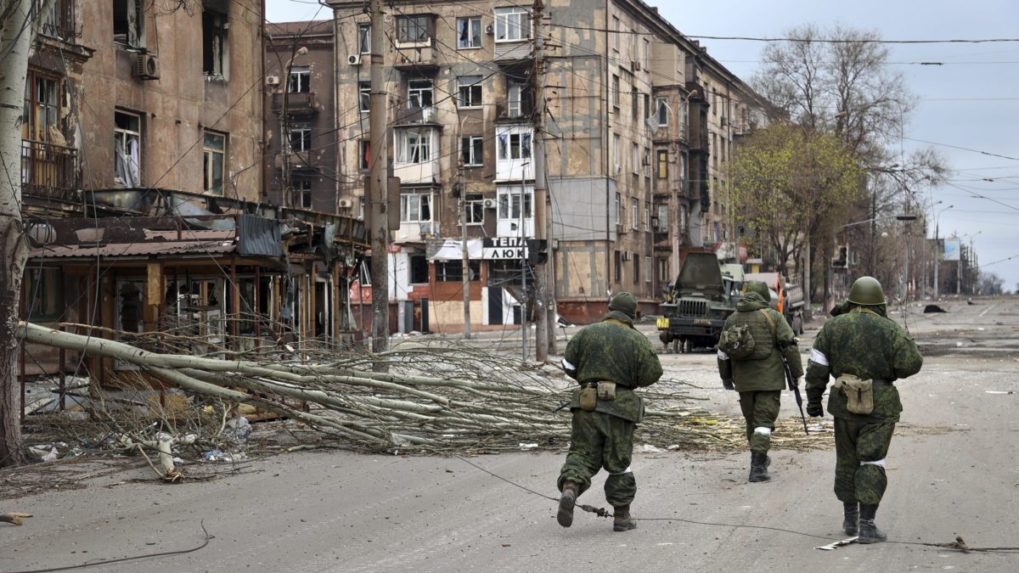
<point x="426" y="395"/>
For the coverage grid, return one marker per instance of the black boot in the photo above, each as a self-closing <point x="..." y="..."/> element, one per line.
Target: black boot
<point x="759" y="466"/>
<point x="851" y="523"/>
<point x="566" y="503"/>
<point x="869" y="533"/>
<point x="621" y="520"/>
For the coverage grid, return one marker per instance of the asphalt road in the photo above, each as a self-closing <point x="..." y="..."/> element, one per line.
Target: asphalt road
<point x="953" y="470"/>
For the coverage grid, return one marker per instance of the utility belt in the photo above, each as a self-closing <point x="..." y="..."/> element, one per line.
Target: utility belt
<point x="859" y="393"/>
<point x="591" y="392"/>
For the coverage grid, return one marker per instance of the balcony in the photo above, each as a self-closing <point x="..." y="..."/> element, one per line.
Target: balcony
<point x="420" y="59"/>
<point x="57" y="19"/>
<point x="410" y="116"/>
<point x="297" y="103"/>
<point x="48" y="170"/>
<point x="518" y="113"/>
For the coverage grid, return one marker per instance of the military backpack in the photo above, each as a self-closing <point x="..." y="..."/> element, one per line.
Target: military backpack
<point x="737" y="341"/>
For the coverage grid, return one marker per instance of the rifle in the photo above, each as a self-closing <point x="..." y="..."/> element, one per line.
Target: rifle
<point x="791" y="382"/>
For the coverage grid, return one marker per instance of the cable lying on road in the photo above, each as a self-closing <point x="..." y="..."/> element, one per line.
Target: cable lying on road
<point x="958" y="545"/>
<point x="203" y="544"/>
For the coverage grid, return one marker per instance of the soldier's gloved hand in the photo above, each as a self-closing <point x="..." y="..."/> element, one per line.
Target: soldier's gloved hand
<point x="728" y="385"/>
<point x="814" y="409"/>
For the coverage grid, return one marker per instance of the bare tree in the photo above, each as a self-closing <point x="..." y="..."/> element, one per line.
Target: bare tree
<point x="16" y="37"/>
<point x="837" y="81"/>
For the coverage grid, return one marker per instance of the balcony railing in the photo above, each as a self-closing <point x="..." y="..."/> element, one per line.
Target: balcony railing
<point x="58" y="21"/>
<point x="297" y="103"/>
<point x="48" y="170"/>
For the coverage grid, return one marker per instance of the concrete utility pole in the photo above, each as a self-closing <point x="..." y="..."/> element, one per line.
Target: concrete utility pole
<point x="541" y="210"/>
<point x="465" y="256"/>
<point x="378" y="223"/>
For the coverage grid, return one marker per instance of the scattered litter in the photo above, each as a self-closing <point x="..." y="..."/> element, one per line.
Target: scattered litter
<point x="238" y="429"/>
<point x="526" y="447"/>
<point x="45" y="453"/>
<point x="648" y="449"/>
<point x="835" y="545"/>
<point x="999" y="392"/>
<point x="216" y="455"/>
<point x="673" y="447"/>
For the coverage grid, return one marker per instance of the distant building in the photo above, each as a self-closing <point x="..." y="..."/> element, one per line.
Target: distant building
<point x="300" y="87"/>
<point x="640" y="121"/>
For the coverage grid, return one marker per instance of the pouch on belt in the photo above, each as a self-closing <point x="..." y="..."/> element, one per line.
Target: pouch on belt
<point x="859" y="393"/>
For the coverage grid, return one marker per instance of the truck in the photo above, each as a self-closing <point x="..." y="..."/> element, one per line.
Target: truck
<point x="786" y="298"/>
<point x="695" y="308"/>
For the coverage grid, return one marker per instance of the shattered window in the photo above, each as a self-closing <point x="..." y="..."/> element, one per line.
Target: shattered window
<point x="127" y="149"/>
<point x="468" y="32"/>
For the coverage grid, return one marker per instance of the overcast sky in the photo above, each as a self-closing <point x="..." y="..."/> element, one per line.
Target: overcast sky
<point x="971" y="101"/>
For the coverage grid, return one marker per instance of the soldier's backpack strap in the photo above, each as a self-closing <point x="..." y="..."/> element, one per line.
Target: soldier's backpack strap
<point x="771" y="321"/>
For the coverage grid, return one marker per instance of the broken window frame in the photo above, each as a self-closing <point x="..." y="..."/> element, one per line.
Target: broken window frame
<point x="416" y="207"/>
<point x="509" y="199"/>
<point x="468" y="33"/>
<point x="215" y="48"/>
<point x="512" y="24"/>
<point x="127" y="130"/>
<point x="299" y="80"/>
<point x="364" y="38"/>
<point x="129" y="23"/>
<point x="472" y="150"/>
<point x="214" y="161"/>
<point x="414" y="30"/>
<point x="469" y="92"/>
<point x="414" y="145"/>
<point x="303" y="139"/>
<point x="364" y="95"/>
<point x="302" y="192"/>
<point x="474" y="210"/>
<point x="420" y="93"/>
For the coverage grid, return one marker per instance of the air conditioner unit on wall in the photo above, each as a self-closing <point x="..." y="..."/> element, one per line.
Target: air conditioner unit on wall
<point x="354" y="59"/>
<point x="146" y="67"/>
<point x="272" y="80"/>
<point x="489" y="203"/>
<point x="345" y="203"/>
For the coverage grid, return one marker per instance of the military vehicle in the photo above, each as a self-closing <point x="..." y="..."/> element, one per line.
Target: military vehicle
<point x="698" y="304"/>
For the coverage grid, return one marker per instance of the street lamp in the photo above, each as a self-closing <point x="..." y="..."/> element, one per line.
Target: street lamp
<point x="937" y="249"/>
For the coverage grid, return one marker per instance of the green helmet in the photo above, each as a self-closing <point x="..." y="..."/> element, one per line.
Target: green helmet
<point x="759" y="288"/>
<point x="624" y="303"/>
<point x="866" y="291"/>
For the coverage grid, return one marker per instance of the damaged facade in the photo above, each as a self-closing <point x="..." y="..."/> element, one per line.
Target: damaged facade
<point x="639" y="124"/>
<point x="164" y="224"/>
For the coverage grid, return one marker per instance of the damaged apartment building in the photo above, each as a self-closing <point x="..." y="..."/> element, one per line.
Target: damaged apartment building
<point x="639" y="124"/>
<point x="145" y="193"/>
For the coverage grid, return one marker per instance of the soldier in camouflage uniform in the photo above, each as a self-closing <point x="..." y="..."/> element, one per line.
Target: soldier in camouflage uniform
<point x="610" y="351"/>
<point x="760" y="377"/>
<point x="861" y="341"/>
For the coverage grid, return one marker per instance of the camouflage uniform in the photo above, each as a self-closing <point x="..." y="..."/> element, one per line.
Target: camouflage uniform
<point x="611" y="350"/>
<point x="760" y="378"/>
<point x="863" y="342"/>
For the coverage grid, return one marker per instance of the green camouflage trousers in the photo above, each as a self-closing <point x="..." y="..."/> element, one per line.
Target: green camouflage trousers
<point x="860" y="451"/>
<point x="601" y="441"/>
<point x="760" y="410"/>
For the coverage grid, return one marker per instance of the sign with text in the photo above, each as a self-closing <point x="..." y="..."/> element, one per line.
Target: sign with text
<point x="503" y="248"/>
<point x="511" y="248"/>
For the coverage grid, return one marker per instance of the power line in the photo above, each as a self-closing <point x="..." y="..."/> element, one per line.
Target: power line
<point x="852" y="40"/>
<point x="988" y="153"/>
